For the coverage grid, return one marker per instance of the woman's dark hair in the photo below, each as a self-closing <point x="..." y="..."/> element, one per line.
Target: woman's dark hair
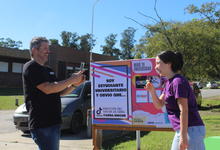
<point x="174" y="58"/>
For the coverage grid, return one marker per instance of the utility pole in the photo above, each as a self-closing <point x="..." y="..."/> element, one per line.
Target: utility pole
<point x="92" y="27"/>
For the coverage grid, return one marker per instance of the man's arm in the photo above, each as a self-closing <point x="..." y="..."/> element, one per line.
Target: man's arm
<point x="55" y="87"/>
<point x="67" y="90"/>
<point x="70" y="88"/>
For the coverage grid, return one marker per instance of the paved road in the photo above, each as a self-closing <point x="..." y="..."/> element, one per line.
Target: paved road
<point x="206" y="93"/>
<point x="11" y="139"/>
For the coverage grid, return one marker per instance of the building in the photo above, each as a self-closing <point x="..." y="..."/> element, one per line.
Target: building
<point x="64" y="61"/>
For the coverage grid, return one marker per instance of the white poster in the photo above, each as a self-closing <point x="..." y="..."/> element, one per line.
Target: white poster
<point x="111" y="92"/>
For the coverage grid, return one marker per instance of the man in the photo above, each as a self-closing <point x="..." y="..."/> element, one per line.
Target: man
<point x="42" y="95"/>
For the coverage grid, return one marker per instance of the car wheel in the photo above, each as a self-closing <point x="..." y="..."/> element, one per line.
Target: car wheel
<point x="76" y="123"/>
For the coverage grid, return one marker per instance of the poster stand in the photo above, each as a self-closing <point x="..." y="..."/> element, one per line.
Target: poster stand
<point x="120" y="101"/>
<point x="97" y="132"/>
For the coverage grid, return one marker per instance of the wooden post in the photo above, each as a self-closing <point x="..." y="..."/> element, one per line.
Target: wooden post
<point x="138" y="139"/>
<point x="97" y="138"/>
<point x="94" y="137"/>
<point x="16" y="102"/>
<point x="89" y="123"/>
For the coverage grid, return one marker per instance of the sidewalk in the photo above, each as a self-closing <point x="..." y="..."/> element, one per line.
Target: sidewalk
<point x="17" y="141"/>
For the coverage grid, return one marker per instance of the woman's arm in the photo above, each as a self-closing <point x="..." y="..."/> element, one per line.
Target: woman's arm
<point x="183" y="106"/>
<point x="157" y="101"/>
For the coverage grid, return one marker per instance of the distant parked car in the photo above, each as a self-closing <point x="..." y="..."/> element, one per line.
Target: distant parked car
<point x="199" y="84"/>
<point x="74" y="110"/>
<point x="212" y="85"/>
<point x="197" y="93"/>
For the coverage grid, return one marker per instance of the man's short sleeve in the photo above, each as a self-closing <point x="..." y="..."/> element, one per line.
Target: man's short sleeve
<point x="37" y="75"/>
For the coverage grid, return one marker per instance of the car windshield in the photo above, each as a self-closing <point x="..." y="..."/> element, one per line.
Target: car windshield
<point x="76" y="92"/>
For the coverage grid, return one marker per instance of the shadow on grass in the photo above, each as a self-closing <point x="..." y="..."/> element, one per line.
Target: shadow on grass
<point x="116" y="139"/>
<point x="11" y="91"/>
<point x="210" y="107"/>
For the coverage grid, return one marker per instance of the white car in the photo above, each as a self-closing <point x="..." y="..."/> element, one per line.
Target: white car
<point x="212" y="85"/>
<point x="74" y="110"/>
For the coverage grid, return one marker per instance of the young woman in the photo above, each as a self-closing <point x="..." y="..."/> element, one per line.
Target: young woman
<point x="180" y="103"/>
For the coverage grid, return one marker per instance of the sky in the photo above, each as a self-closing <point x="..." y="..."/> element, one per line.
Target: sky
<point x="21" y="20"/>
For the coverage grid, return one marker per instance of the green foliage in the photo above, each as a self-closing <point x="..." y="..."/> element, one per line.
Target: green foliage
<point x="73" y="40"/>
<point x="9" y="43"/>
<point x="198" y="41"/>
<point x="70" y="39"/>
<point x="54" y="41"/>
<point x="86" y="42"/>
<point x="109" y="47"/>
<point x="208" y="11"/>
<point x="138" y="50"/>
<point x="127" y="43"/>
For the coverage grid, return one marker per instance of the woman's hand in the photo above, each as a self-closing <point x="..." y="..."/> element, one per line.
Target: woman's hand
<point x="149" y="86"/>
<point x="157" y="101"/>
<point x="183" y="144"/>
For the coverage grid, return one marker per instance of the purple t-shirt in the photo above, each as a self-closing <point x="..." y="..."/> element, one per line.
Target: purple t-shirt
<point x="178" y="87"/>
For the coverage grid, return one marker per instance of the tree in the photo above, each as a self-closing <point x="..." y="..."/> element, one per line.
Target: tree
<point x="197" y="41"/>
<point x="208" y="11"/>
<point x="138" y="50"/>
<point x="9" y="43"/>
<point x="109" y="47"/>
<point x="70" y="39"/>
<point x="127" y="43"/>
<point x="54" y="41"/>
<point x="86" y="42"/>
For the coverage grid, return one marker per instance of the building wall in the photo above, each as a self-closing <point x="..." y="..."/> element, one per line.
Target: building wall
<point x="62" y="58"/>
<point x="11" y="78"/>
<point x="64" y="61"/>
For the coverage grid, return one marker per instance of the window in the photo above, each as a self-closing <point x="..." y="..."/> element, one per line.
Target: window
<point x="69" y="71"/>
<point x="3" y="66"/>
<point x="17" y="67"/>
<point x="77" y="69"/>
<point x="69" y="68"/>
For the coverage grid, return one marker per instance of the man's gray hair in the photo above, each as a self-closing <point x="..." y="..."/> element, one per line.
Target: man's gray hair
<point x="36" y="43"/>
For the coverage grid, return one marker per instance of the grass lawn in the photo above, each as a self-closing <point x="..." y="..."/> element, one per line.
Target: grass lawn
<point x="161" y="140"/>
<point x="8" y="96"/>
<point x="8" y="102"/>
